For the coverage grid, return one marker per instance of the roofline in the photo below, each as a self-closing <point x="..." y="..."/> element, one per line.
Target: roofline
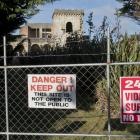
<point x="81" y="11"/>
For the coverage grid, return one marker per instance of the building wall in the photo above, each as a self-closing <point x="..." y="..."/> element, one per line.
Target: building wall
<point x="24" y="31"/>
<point x="35" y="31"/>
<point x="60" y="21"/>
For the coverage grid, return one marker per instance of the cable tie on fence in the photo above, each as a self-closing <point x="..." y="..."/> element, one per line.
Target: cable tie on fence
<point x="108" y="62"/>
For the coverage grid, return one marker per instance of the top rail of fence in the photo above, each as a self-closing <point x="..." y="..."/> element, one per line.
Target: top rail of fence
<point x="71" y="65"/>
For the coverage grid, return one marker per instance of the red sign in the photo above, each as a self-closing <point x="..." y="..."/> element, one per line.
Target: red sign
<point x="130" y="99"/>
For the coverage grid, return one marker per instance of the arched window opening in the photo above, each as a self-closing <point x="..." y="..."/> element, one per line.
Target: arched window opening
<point x="46" y="49"/>
<point x="69" y="27"/>
<point x="35" y="50"/>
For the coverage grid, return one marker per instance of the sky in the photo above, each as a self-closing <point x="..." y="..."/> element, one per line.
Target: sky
<point x="100" y="8"/>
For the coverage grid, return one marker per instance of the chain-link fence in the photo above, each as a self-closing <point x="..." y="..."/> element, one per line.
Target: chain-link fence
<point x="117" y="71"/>
<point x="97" y="113"/>
<point x="24" y="119"/>
<point x="55" y="138"/>
<point x="90" y="116"/>
<point x="2" y="103"/>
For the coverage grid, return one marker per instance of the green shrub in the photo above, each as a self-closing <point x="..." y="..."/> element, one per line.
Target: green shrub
<point x="125" y="50"/>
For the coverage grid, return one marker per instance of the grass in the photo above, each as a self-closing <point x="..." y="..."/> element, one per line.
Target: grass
<point x="92" y="122"/>
<point x="88" y="122"/>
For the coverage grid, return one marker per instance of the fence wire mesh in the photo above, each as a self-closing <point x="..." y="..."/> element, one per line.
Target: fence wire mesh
<point x="56" y="59"/>
<point x="84" y="119"/>
<point x="121" y="138"/>
<point x="3" y="137"/>
<point x="90" y="117"/>
<point x="116" y="72"/>
<point x="2" y="103"/>
<point x="17" y="137"/>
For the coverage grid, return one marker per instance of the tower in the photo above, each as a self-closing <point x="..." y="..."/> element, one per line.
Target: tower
<point x="66" y="21"/>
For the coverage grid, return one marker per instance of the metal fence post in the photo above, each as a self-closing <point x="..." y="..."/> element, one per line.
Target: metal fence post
<point x="6" y="91"/>
<point x="108" y="79"/>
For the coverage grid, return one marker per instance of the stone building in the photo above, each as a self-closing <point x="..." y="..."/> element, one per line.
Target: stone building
<point x="65" y="21"/>
<point x="49" y="34"/>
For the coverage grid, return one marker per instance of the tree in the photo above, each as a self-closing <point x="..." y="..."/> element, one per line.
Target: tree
<point x="90" y="24"/>
<point x="14" y="13"/>
<point x="131" y="8"/>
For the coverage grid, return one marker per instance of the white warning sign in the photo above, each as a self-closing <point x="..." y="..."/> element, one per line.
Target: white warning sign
<point x="56" y="91"/>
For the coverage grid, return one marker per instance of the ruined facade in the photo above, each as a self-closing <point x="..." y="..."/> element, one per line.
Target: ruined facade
<point x="43" y="34"/>
<point x="65" y="21"/>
